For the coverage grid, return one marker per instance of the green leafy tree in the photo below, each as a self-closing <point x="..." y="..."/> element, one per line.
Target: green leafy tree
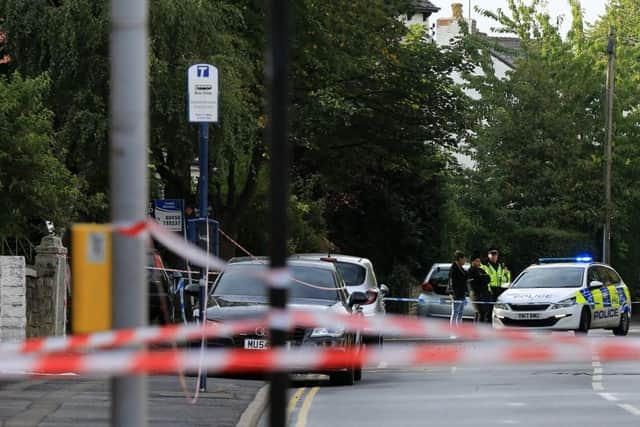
<point x="34" y="184"/>
<point x="538" y="142"/>
<point x="624" y="18"/>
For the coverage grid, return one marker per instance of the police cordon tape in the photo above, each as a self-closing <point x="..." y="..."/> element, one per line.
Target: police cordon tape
<point x="171" y="241"/>
<point x="449" y="301"/>
<point x="313" y="359"/>
<point x="388" y="326"/>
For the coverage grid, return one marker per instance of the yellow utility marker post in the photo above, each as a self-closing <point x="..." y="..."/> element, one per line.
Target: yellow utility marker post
<point x="91" y="287"/>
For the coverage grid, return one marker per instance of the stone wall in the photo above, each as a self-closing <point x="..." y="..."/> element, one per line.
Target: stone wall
<point x="12" y="298"/>
<point x="47" y="293"/>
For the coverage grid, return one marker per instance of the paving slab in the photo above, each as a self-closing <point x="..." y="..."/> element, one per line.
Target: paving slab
<point x="87" y="402"/>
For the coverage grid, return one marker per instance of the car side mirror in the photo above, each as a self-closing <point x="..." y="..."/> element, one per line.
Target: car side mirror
<point x="192" y="289"/>
<point x="385" y="290"/>
<point x="358" y="298"/>
<point x="595" y="284"/>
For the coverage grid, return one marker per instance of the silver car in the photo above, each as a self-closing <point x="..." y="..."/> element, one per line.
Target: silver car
<point x="358" y="275"/>
<point x="433" y="300"/>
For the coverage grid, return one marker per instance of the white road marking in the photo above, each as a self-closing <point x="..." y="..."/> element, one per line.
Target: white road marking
<point x="516" y="404"/>
<point x="382" y="365"/>
<point x="509" y="422"/>
<point x="597" y="370"/>
<point x="597" y="386"/>
<point x="597" y="378"/>
<point x="630" y="408"/>
<point x="596" y="364"/>
<point x="608" y="396"/>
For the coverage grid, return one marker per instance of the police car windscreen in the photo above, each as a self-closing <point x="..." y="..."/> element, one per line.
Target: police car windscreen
<point x="561" y="277"/>
<point x="308" y="282"/>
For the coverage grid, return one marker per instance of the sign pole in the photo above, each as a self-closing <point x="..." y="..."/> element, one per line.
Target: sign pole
<point x="204" y="213"/>
<point x="277" y="59"/>
<point x="129" y="110"/>
<point x="202" y="105"/>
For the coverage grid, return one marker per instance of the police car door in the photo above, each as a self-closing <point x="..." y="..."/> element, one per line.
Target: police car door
<point x="607" y="305"/>
<point x="590" y="295"/>
<point x="613" y="283"/>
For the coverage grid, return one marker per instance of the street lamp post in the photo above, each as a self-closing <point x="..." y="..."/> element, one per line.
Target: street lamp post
<point x="611" y="64"/>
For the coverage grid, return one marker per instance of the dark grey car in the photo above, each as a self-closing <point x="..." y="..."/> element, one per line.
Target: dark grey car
<point x="240" y="292"/>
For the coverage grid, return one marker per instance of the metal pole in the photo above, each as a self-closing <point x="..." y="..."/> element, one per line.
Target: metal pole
<point x="204" y="171"/>
<point x="277" y="59"/>
<point x="204" y="213"/>
<point x="129" y="190"/>
<point x="606" y="232"/>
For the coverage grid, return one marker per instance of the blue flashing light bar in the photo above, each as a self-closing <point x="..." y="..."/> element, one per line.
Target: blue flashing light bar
<point x="582" y="258"/>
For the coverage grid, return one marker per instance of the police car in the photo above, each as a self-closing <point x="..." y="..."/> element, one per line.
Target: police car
<point x="565" y="294"/>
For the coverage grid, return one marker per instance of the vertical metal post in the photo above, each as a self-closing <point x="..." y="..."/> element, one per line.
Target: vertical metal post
<point x="204" y="169"/>
<point x="606" y="232"/>
<point x="277" y="59"/>
<point x="204" y="213"/>
<point x="129" y="190"/>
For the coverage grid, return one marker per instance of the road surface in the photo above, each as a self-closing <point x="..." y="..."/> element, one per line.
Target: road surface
<point x="593" y="393"/>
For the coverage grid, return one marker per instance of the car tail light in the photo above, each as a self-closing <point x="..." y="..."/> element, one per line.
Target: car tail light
<point x="427" y="287"/>
<point x="157" y="261"/>
<point x="372" y="294"/>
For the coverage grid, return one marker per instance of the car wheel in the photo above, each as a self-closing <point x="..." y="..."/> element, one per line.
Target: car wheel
<point x="357" y="373"/>
<point x="346" y="377"/>
<point x="623" y="327"/>
<point x="585" y="322"/>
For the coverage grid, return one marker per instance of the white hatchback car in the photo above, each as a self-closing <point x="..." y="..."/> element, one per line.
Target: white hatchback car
<point x="358" y="275"/>
<point x="560" y="295"/>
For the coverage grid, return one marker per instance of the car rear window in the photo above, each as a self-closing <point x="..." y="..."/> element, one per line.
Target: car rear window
<point x="309" y="282"/>
<point x="353" y="274"/>
<point x="439" y="280"/>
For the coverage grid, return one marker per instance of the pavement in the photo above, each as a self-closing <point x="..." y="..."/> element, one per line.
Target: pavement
<point x="70" y="401"/>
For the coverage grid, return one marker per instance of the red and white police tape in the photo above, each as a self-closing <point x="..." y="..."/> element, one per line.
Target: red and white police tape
<point x="388" y="326"/>
<point x="173" y="242"/>
<point x="128" y="337"/>
<point x="313" y="359"/>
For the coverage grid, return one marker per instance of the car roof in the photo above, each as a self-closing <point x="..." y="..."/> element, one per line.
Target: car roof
<point x="339" y="257"/>
<point x="447" y="265"/>
<point x="567" y="264"/>
<point x="295" y="262"/>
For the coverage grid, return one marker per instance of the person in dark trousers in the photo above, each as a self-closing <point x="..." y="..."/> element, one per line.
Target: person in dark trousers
<point x="480" y="295"/>
<point x="498" y="273"/>
<point x="458" y="280"/>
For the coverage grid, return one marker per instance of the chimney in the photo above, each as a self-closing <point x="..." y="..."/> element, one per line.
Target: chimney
<point x="456" y="9"/>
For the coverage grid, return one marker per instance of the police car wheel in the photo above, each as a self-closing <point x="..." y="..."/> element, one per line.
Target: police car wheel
<point x="585" y="322"/>
<point x="623" y="327"/>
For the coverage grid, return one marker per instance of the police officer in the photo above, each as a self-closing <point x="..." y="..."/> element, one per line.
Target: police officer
<point x="497" y="272"/>
<point x="479" y="283"/>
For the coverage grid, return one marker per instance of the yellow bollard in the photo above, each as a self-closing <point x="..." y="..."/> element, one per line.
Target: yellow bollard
<point x="91" y="271"/>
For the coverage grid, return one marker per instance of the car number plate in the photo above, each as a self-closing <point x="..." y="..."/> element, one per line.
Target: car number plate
<point x="528" y="315"/>
<point x="255" y="344"/>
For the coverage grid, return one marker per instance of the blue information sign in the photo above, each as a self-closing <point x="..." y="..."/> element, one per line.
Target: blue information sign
<point x="170" y="213"/>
